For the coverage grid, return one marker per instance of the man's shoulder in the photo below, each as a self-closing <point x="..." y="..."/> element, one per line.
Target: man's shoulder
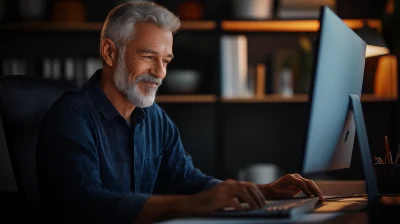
<point x="76" y="99"/>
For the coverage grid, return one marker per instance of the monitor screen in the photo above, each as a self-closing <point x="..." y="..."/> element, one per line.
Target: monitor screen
<point x="338" y="71"/>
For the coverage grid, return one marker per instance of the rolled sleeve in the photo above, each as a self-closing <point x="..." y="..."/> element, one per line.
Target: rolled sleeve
<point x="211" y="183"/>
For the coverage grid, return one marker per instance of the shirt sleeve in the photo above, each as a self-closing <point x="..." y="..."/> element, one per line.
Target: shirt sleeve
<point x="177" y="174"/>
<point x="68" y="172"/>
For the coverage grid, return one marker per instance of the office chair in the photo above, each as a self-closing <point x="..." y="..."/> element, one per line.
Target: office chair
<point x="24" y="100"/>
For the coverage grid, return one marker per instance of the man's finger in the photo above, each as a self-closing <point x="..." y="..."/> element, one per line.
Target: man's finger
<point x="312" y="186"/>
<point x="321" y="196"/>
<point x="293" y="180"/>
<point x="234" y="205"/>
<point x="256" y="193"/>
<point x="244" y="195"/>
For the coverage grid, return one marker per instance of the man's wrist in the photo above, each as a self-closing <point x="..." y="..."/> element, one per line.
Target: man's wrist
<point x="264" y="188"/>
<point x="193" y="204"/>
<point x="160" y="208"/>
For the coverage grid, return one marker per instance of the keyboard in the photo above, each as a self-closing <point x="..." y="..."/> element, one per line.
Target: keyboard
<point x="274" y="208"/>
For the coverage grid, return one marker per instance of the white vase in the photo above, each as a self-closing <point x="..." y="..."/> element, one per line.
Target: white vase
<point x="253" y="9"/>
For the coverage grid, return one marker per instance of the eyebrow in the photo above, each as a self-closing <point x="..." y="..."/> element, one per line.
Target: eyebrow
<point x="147" y="50"/>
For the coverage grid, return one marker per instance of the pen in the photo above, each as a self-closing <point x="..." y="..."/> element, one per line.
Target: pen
<point x="388" y="154"/>
<point x="397" y="154"/>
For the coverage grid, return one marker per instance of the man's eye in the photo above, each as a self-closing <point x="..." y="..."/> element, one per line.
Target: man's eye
<point x="149" y="57"/>
<point x="166" y="61"/>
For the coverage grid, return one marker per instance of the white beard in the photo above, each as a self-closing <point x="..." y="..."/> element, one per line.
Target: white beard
<point x="131" y="89"/>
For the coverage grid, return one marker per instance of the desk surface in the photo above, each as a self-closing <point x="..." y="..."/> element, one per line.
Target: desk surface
<point x="331" y="218"/>
<point x="308" y="218"/>
<point x="383" y="211"/>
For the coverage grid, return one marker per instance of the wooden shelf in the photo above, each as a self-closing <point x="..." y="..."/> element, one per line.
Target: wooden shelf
<point x="238" y="26"/>
<point x="299" y="98"/>
<point x="198" y="25"/>
<point x="269" y="99"/>
<point x="291" y="25"/>
<point x="91" y="26"/>
<point x="186" y="98"/>
<point x="53" y="26"/>
<point x="373" y="98"/>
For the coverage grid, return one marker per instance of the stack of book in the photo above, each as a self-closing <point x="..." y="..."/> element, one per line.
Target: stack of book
<point x="234" y="67"/>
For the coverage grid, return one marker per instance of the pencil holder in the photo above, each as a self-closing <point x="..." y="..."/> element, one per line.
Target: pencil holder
<point x="388" y="178"/>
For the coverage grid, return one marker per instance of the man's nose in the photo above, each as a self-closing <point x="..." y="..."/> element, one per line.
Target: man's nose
<point x="158" y="70"/>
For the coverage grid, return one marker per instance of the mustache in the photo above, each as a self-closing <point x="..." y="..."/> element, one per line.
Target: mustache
<point x="148" y="78"/>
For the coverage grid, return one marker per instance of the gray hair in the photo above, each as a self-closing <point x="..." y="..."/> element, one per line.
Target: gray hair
<point x="119" y="24"/>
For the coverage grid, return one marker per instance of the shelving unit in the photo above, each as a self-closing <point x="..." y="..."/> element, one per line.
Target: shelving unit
<point x="91" y="26"/>
<point x="299" y="98"/>
<point x="262" y="26"/>
<point x="220" y="123"/>
<point x="208" y="25"/>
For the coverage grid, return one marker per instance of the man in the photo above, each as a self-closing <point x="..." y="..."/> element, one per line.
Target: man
<point x="107" y="153"/>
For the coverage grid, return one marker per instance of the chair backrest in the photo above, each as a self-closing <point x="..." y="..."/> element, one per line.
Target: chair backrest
<point x="24" y="101"/>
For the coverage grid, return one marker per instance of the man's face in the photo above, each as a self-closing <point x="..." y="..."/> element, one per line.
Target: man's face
<point x="142" y="65"/>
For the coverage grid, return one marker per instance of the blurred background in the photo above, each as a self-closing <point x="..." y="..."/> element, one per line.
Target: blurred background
<point x="238" y="86"/>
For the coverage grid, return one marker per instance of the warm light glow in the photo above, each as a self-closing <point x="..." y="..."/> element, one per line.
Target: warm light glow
<point x="375" y="51"/>
<point x="291" y="25"/>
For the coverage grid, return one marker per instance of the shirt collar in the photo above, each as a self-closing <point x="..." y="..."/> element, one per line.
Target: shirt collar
<point x="104" y="104"/>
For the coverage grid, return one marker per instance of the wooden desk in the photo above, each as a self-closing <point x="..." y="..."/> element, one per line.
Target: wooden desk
<point x="377" y="213"/>
<point x="309" y="218"/>
<point x="369" y="216"/>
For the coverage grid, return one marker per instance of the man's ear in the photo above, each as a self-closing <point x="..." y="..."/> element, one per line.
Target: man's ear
<point x="108" y="51"/>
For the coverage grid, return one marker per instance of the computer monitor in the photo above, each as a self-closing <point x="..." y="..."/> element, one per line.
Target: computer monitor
<point x="338" y="71"/>
<point x="335" y="115"/>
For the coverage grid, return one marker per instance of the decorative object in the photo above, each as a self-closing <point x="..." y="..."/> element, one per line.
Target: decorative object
<point x="69" y="11"/>
<point x="386" y="77"/>
<point x="293" y="68"/>
<point x="303" y="68"/>
<point x="182" y="81"/>
<point x="190" y="10"/>
<point x="253" y="9"/>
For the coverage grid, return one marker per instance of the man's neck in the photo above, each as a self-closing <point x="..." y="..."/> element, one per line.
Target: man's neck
<point x="118" y="100"/>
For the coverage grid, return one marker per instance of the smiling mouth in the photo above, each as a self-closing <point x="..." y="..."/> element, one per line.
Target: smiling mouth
<point x="151" y="84"/>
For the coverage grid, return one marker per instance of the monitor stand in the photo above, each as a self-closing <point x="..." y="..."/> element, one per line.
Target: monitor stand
<point x="380" y="207"/>
<point x="374" y="196"/>
<point x="371" y="184"/>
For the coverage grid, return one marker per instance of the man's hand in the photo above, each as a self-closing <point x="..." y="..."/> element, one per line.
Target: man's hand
<point x="230" y="193"/>
<point x="290" y="185"/>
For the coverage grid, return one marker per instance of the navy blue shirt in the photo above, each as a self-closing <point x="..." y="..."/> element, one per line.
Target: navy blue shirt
<point x="94" y="166"/>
